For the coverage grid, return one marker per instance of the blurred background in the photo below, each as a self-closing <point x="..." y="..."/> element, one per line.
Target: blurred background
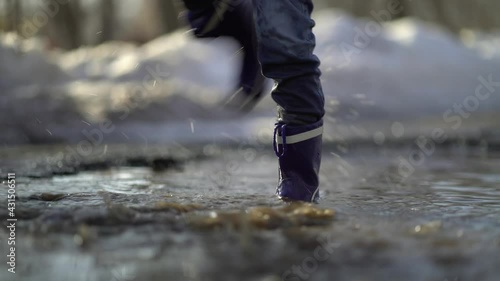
<point x="67" y="66"/>
<point x="91" y="22"/>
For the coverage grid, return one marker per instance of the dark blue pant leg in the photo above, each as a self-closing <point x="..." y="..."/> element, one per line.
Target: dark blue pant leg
<point x="286" y="44"/>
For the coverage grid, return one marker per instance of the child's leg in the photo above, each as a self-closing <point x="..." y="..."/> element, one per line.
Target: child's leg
<point x="285" y="45"/>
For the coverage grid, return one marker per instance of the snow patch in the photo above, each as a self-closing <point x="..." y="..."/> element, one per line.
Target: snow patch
<point x="409" y="70"/>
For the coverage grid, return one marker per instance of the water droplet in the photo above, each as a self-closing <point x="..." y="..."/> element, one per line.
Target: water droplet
<point x="397" y="129"/>
<point x="379" y="138"/>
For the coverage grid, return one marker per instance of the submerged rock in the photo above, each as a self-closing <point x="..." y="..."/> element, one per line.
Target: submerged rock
<point x="295" y="214"/>
<point x="181" y="208"/>
<point x="428" y="228"/>
<point x="48" y="196"/>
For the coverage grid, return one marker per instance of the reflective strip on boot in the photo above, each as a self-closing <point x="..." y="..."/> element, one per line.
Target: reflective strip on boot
<point x="313" y="198"/>
<point x="302" y="136"/>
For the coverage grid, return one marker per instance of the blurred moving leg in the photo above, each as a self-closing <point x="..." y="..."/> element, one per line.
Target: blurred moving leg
<point x="233" y="18"/>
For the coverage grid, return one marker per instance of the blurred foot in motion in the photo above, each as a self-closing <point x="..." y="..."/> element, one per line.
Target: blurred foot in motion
<point x="232" y="18"/>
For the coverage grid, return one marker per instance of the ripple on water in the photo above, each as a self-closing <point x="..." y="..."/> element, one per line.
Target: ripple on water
<point x="124" y="180"/>
<point x="468" y="194"/>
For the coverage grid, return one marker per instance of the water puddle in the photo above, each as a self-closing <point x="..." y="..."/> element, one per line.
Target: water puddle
<point x="140" y="223"/>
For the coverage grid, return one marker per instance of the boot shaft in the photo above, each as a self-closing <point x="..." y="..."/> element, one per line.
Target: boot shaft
<point x="299" y="155"/>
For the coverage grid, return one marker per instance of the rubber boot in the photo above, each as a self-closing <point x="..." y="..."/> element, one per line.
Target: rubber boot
<point x="298" y="148"/>
<point x="232" y="18"/>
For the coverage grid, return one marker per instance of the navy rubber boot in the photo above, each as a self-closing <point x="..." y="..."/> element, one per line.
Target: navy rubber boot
<point x="298" y="148"/>
<point x="232" y="18"/>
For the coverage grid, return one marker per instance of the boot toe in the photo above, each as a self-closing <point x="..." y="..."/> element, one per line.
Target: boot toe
<point x="289" y="190"/>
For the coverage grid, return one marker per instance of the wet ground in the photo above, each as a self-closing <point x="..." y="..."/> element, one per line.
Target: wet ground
<point x="207" y="213"/>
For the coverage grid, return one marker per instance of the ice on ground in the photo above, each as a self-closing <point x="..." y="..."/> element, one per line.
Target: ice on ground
<point x="169" y="89"/>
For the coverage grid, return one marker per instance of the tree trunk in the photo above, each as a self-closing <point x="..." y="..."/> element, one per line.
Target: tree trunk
<point x="168" y="15"/>
<point x="107" y="20"/>
<point x="67" y="21"/>
<point x="12" y="15"/>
